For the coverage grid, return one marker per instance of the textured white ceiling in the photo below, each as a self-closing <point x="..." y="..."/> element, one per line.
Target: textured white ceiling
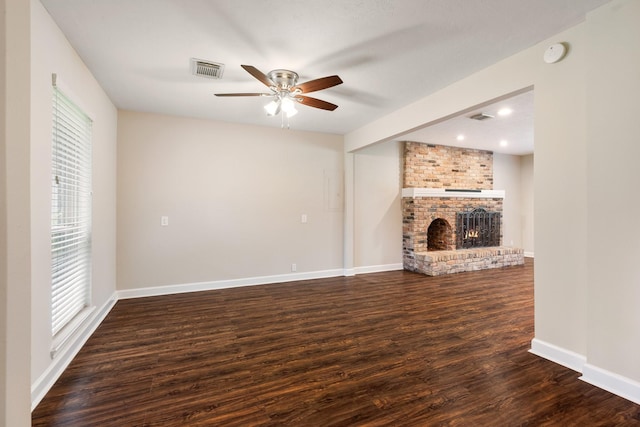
<point x="389" y="53"/>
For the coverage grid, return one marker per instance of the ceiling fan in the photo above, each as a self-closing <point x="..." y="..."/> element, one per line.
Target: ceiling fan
<point x="286" y="91"/>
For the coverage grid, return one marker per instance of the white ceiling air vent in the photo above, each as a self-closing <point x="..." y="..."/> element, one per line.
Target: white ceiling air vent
<point x="208" y="69"/>
<point x="481" y="116"/>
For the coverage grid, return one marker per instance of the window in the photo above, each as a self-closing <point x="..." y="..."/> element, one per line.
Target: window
<point x="70" y="211"/>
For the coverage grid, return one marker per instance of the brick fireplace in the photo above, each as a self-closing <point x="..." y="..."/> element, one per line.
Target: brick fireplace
<point x="446" y="190"/>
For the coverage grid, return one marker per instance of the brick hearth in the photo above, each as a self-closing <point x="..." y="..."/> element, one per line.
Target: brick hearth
<point x="436" y="263"/>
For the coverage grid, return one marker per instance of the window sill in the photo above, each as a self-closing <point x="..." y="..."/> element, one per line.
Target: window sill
<point x="66" y="333"/>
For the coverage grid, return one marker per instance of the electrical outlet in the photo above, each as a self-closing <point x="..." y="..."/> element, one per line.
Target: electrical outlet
<point x="294" y="267"/>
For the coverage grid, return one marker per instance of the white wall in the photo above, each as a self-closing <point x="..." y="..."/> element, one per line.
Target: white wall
<point x="507" y="176"/>
<point x="3" y="218"/>
<point x="378" y="192"/>
<point x="560" y="191"/>
<point x="51" y="53"/>
<point x="613" y="176"/>
<point x="234" y="195"/>
<point x="526" y="203"/>
<point x="585" y="296"/>
<point x="15" y="245"/>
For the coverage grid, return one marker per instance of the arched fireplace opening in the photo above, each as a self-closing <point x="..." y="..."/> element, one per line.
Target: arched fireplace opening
<point x="439" y="235"/>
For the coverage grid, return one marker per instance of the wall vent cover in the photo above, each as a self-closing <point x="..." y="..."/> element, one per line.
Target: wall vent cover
<point x="481" y="116"/>
<point x="208" y="69"/>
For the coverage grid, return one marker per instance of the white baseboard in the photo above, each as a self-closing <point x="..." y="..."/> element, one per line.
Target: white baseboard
<point x="601" y="378"/>
<point x="66" y="354"/>
<point x="558" y="355"/>
<point x="224" y="284"/>
<point x="614" y="383"/>
<point x="528" y="254"/>
<point x="349" y="272"/>
<point x="378" y="268"/>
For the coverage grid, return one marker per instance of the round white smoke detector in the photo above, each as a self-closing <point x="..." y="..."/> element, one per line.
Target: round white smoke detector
<point x="554" y="53"/>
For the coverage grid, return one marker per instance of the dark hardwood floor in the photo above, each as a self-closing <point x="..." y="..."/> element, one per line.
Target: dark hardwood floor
<point x="384" y="349"/>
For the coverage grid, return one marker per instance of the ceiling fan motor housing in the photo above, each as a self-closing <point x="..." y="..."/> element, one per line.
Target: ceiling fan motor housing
<point x="283" y="79"/>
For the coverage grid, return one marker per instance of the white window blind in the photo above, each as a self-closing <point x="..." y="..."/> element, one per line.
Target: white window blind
<point x="70" y="211"/>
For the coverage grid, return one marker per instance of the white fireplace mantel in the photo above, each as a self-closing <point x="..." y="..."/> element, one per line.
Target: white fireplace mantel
<point x="442" y="192"/>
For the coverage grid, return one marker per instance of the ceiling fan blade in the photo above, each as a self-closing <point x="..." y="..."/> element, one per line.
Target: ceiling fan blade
<point x="243" y="94"/>
<point x="258" y="75"/>
<point x="318" y="84"/>
<point x="317" y="103"/>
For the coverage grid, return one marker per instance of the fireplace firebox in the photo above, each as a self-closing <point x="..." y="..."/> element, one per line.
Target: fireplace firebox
<point x="477" y="228"/>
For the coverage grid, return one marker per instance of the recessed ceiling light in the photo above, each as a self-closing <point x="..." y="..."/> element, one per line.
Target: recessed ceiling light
<point x="460" y="137"/>
<point x="504" y="143"/>
<point x="505" y="111"/>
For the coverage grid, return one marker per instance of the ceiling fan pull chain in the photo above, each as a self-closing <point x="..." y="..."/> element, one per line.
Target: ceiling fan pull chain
<point x="282" y="123"/>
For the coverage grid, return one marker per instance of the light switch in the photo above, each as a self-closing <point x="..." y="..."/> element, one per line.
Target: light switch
<point x="164" y="221"/>
<point x="303" y="218"/>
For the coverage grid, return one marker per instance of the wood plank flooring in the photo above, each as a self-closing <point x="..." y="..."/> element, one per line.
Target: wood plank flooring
<point x="384" y="349"/>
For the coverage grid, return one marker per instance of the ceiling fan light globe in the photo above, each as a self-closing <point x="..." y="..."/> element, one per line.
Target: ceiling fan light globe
<point x="288" y="105"/>
<point x="272" y="108"/>
<point x="292" y="112"/>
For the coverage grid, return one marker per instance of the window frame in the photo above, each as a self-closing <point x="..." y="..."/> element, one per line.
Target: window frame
<point x="71" y="215"/>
